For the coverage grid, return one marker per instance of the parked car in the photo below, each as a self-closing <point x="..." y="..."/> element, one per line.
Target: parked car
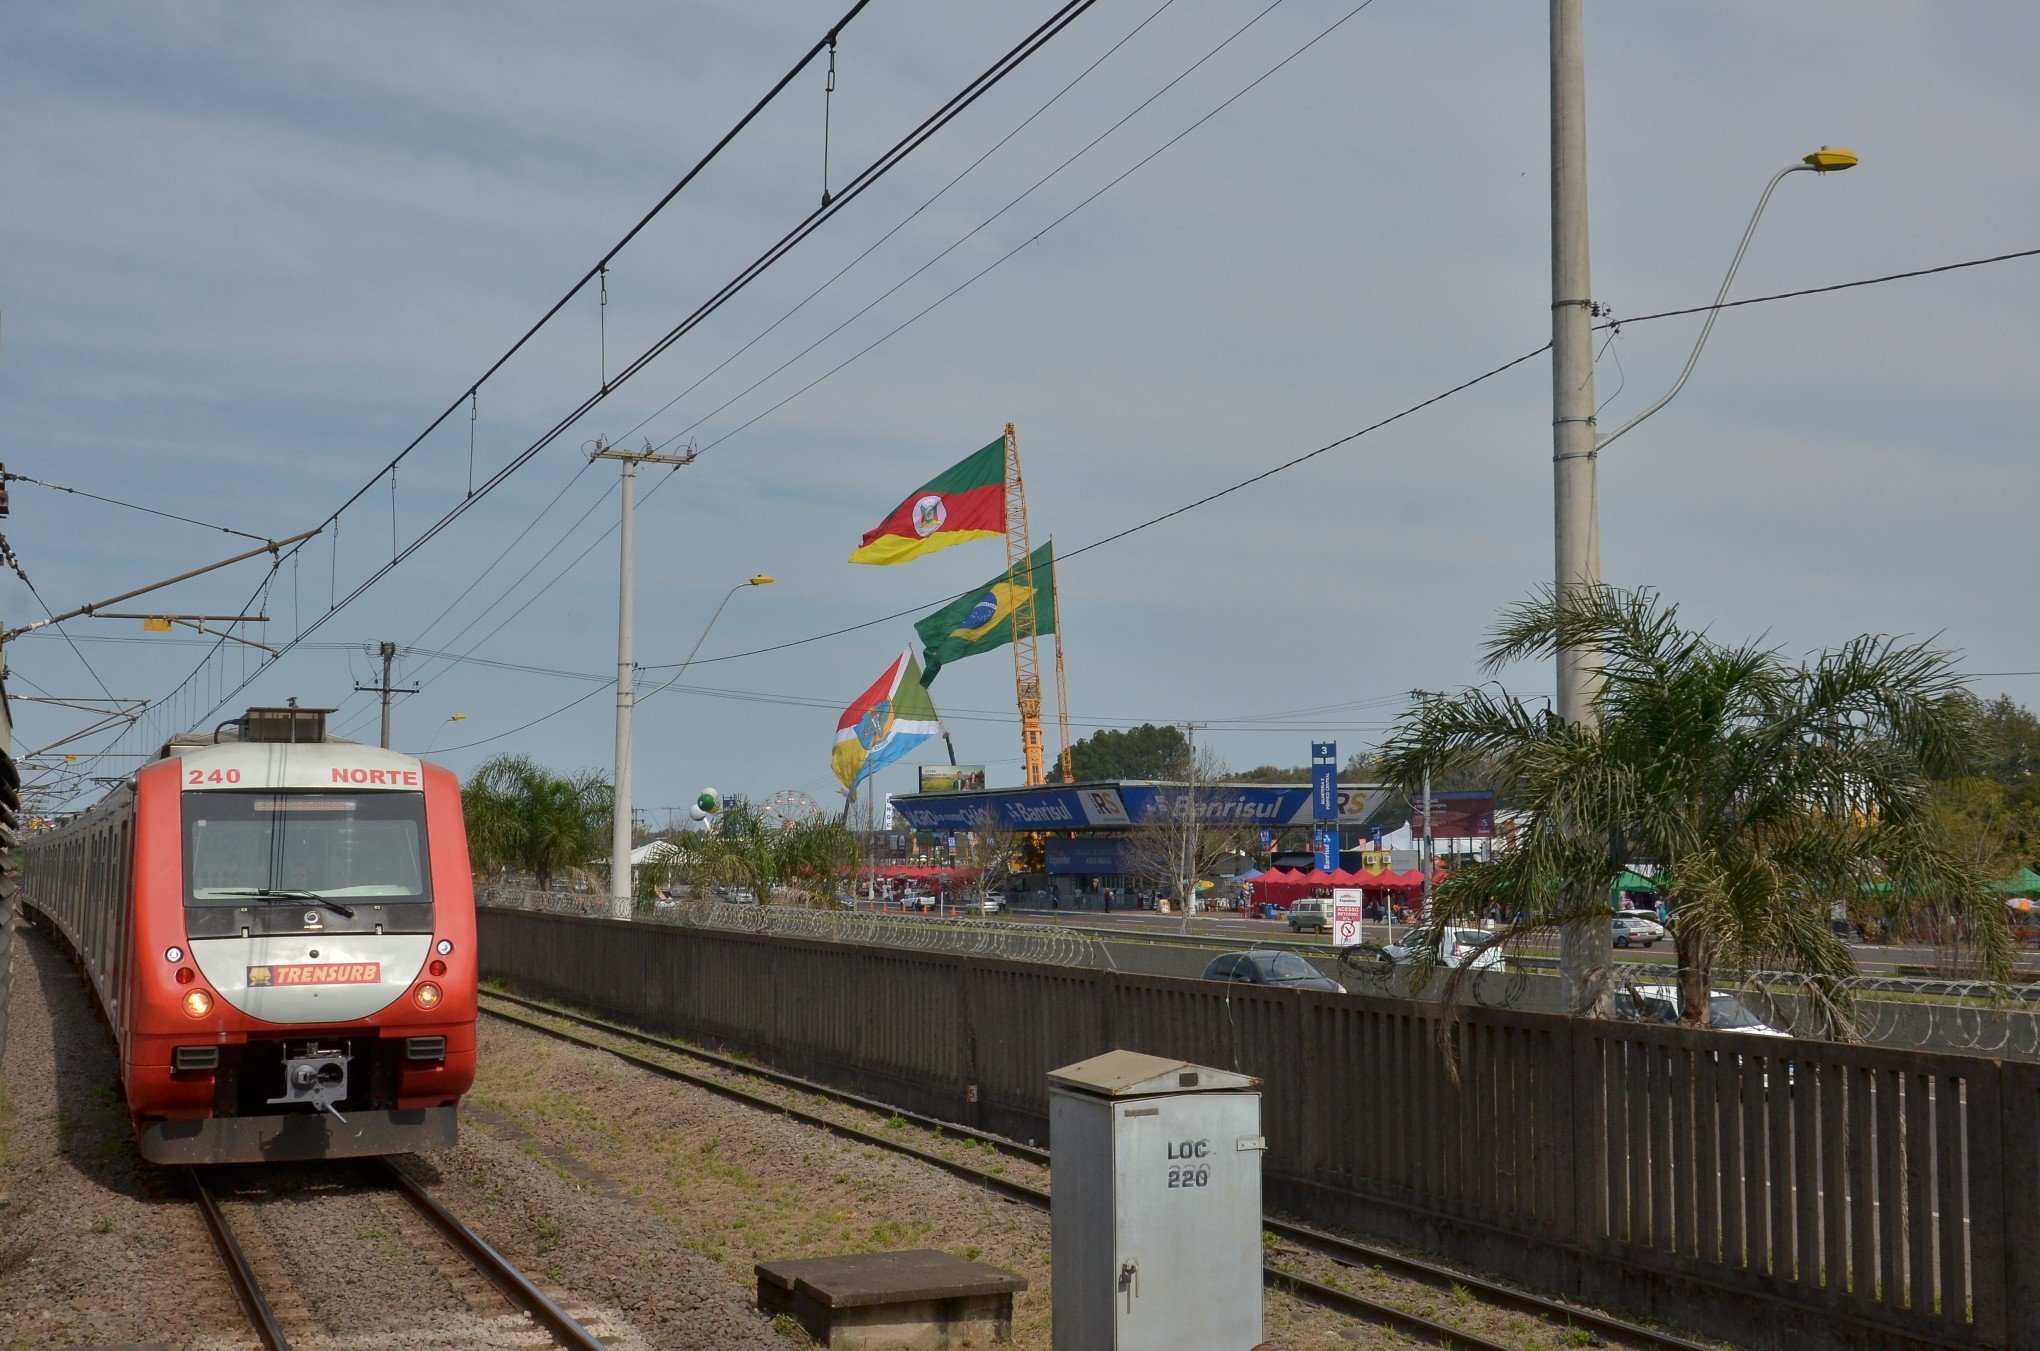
<point x="1725" y="1013"/>
<point x="1660" y="1004"/>
<point x="1634" y="929"/>
<point x="1310" y="912"/>
<point x="1466" y="947"/>
<point x="1284" y="969"/>
<point x="991" y="905"/>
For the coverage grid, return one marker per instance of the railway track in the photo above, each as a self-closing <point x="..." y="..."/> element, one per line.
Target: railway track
<point x="272" y="1330"/>
<point x="1344" y="1252"/>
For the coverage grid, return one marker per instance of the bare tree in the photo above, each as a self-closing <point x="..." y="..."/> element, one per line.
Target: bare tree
<point x="985" y="853"/>
<point x="1184" y="836"/>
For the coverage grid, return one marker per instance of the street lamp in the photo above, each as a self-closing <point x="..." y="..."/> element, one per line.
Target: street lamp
<point x="450" y="719"/>
<point x="1826" y="160"/>
<point x="760" y="580"/>
<point x="620" y="890"/>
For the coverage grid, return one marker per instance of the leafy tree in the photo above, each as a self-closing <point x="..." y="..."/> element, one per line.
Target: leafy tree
<point x="810" y="857"/>
<point x="522" y="816"/>
<point x="2011" y="748"/>
<point x="1143" y="752"/>
<point x="1271" y="774"/>
<point x="1766" y="791"/>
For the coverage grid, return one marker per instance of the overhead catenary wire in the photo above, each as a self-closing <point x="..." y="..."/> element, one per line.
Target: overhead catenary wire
<point x="1092" y="197"/>
<point x="131" y="506"/>
<point x="471" y="394"/>
<point x="1038" y="235"/>
<point x="874" y="172"/>
<point x="904" y="221"/>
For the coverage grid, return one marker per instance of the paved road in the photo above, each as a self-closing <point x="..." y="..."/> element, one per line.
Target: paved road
<point x="1870" y="958"/>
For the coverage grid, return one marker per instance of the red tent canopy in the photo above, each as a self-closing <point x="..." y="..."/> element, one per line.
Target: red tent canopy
<point x="1283" y="886"/>
<point x="916" y="872"/>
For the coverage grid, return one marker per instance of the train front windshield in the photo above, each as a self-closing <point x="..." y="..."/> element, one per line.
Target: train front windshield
<point x="336" y="846"/>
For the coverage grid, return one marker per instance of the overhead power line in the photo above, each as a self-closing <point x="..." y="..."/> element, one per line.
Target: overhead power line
<point x="1396" y="417"/>
<point x="884" y="164"/>
<point x="952" y="293"/>
<point x="1823" y="290"/>
<point x="132" y="506"/>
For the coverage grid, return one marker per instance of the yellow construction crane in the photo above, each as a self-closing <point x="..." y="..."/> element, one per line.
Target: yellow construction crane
<point x="1027" y="628"/>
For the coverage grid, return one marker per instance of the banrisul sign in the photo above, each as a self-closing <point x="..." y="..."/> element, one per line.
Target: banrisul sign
<point x="1108" y="806"/>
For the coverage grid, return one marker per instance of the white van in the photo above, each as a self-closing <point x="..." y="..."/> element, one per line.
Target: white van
<point x="1310" y="912"/>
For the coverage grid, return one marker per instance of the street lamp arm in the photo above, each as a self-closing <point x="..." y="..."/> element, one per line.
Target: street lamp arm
<point x="1714" y="312"/>
<point x="689" y="660"/>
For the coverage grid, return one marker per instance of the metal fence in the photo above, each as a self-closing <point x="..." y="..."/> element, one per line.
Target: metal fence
<point x="1761" y="1188"/>
<point x="959" y="933"/>
<point x="10" y="867"/>
<point x="1906" y="1012"/>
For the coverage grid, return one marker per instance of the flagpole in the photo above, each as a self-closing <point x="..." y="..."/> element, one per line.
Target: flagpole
<point x="1062" y="693"/>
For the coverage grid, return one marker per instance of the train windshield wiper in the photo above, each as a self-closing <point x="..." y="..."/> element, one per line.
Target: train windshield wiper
<point x="274" y="894"/>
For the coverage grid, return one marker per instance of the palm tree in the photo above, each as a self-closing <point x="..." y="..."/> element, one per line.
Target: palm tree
<point x="1767" y="792"/>
<point x="520" y="815"/>
<point x="745" y="850"/>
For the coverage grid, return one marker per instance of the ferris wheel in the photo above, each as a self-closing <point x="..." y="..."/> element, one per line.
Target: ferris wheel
<point x="789" y="807"/>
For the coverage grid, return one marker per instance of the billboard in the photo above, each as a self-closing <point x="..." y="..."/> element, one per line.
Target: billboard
<point x="1018" y="809"/>
<point x="1324" y="780"/>
<point x="950" y="778"/>
<point x="1456" y="816"/>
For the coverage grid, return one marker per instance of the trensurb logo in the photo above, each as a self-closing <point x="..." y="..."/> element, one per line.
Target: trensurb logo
<point x="981" y="613"/>
<point x="929" y="514"/>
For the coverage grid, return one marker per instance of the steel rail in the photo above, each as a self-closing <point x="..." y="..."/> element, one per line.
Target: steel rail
<point x="1344" y="1251"/>
<point x="247" y="1289"/>
<point x="513" y="1283"/>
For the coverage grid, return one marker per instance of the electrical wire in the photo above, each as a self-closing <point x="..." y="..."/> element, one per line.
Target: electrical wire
<point x="1228" y="102"/>
<point x="874" y="172"/>
<point x="1823" y="290"/>
<point x="131" y="506"/>
<point x="1038" y="235"/>
<point x="905" y="221"/>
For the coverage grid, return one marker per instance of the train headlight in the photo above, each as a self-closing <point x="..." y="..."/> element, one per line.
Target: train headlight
<point x="173" y="955"/>
<point x="427" y="995"/>
<point x="443" y="946"/>
<point x="198" y="1003"/>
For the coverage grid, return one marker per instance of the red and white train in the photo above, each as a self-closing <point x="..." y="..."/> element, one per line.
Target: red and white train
<point x="279" y="927"/>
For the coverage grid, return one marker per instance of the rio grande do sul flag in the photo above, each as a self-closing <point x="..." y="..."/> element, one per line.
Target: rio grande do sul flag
<point x="964" y="502"/>
<point x="885" y="722"/>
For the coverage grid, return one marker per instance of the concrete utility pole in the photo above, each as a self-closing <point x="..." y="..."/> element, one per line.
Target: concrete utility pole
<point x="1430" y="837"/>
<point x="386" y="690"/>
<point x="626" y="665"/>
<point x="1586" y="949"/>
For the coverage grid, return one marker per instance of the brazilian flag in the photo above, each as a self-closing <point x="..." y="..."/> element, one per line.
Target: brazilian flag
<point x="982" y="620"/>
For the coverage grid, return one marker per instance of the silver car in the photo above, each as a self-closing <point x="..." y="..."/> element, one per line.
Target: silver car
<point x="1636" y="931"/>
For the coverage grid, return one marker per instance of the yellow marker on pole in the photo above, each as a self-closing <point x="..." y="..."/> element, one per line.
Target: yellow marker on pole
<point x="156" y="624"/>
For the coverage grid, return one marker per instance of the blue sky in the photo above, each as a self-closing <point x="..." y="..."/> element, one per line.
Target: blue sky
<point x="251" y="251"/>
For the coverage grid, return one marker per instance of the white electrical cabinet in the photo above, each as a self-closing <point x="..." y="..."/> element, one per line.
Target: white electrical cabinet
<point x="1155" y="1205"/>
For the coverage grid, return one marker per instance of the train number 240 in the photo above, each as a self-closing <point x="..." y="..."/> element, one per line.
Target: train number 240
<point x="201" y="776"/>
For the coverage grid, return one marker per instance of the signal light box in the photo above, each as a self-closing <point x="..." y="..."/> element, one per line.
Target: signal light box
<point x="1155" y="1206"/>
